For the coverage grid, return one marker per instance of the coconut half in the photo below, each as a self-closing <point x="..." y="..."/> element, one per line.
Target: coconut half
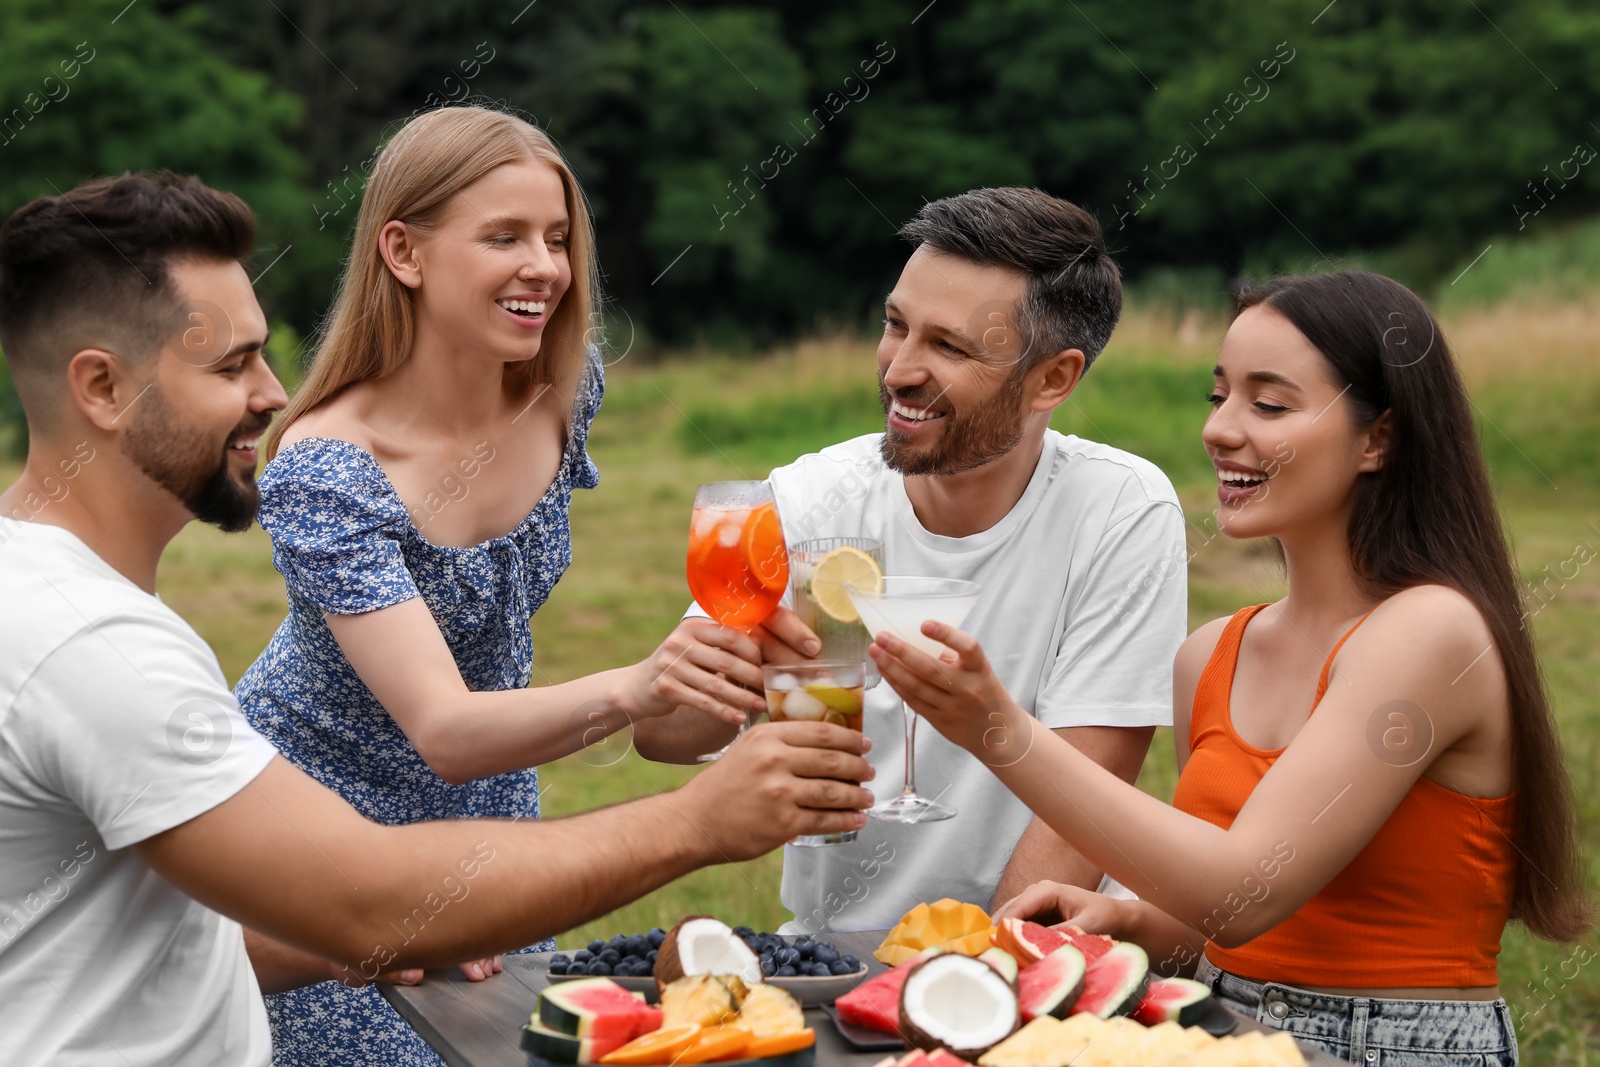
<point x="958" y="1003"/>
<point x="703" y="945"/>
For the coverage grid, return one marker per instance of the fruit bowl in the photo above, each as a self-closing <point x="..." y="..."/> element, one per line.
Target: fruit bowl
<point x="704" y="945"/>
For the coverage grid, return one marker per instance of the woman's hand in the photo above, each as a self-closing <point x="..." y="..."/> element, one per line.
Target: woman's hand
<point x="478" y="970"/>
<point x="717" y="669"/>
<point x="958" y="693"/>
<point x="1050" y="903"/>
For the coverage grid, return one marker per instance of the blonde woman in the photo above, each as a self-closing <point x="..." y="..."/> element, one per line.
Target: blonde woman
<point x="416" y="494"/>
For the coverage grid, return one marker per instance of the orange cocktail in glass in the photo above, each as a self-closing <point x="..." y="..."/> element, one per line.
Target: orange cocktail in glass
<point x="738" y="567"/>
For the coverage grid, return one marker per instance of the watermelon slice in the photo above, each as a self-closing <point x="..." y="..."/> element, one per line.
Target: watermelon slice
<point x="557" y="1047"/>
<point x="1002" y="961"/>
<point x="1116" y="982"/>
<point x="1029" y="942"/>
<point x="1178" y="1000"/>
<point x="597" y="1009"/>
<point x="1051" y="986"/>
<point x="875" y="1004"/>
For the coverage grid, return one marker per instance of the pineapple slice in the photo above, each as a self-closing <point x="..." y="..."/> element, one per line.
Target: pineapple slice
<point x="700" y="1000"/>
<point x="770" y="1012"/>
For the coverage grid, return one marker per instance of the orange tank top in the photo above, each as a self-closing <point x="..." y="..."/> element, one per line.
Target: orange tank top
<point x="1423" y="905"/>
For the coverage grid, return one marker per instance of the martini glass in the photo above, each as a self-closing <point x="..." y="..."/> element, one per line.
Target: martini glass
<point x="901" y="608"/>
<point x="738" y="565"/>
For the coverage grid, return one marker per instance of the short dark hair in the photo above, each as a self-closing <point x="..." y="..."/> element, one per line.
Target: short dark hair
<point x="1074" y="293"/>
<point x="91" y="267"/>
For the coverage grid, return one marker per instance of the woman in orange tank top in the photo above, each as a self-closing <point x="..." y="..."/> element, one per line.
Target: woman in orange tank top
<point x="1371" y="779"/>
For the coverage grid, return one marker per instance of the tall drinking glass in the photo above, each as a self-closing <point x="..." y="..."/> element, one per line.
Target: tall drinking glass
<point x="816" y="691"/>
<point x="900" y="608"/>
<point x="836" y="562"/>
<point x="738" y="566"/>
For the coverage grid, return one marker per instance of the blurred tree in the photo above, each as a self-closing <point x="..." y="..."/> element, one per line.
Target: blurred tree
<point x="92" y="93"/>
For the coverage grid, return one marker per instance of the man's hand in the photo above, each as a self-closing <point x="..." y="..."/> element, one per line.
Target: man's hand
<point x="778" y="781"/>
<point x="1052" y="902"/>
<point x="784" y="638"/>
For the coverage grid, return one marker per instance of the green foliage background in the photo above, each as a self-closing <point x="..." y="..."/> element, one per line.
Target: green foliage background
<point x="1408" y="129"/>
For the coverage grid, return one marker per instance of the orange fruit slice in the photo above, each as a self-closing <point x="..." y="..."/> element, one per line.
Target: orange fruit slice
<point x="780" y="1044"/>
<point x="764" y="550"/>
<point x="658" y="1046"/>
<point x="716" y="1043"/>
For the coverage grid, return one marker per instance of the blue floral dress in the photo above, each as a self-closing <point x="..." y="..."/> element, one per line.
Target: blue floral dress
<point x="345" y="544"/>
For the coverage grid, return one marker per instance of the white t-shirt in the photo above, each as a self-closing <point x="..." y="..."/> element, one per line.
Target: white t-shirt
<point x="115" y="724"/>
<point x="1083" y="606"/>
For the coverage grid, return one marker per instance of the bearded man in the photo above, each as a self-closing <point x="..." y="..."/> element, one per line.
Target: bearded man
<point x="1078" y="547"/>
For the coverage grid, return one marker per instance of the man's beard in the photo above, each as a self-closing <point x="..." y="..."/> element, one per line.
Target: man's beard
<point x="180" y="459"/>
<point x="966" y="441"/>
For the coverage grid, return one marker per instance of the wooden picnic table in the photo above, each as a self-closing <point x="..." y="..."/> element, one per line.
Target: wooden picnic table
<point x="479" y="1024"/>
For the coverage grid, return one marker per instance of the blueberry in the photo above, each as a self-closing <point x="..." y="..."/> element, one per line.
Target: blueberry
<point x="656" y="936"/>
<point x="599" y="967"/>
<point x="805" y="950"/>
<point x="786" y="957"/>
<point x="841" y="967"/>
<point x="650" y="957"/>
<point x="595" y="946"/>
<point x="560" y="957"/>
<point x="638" y="945"/>
<point x="583" y="955"/>
<point x="558" y="967"/>
<point x="820" y="970"/>
<point x="768" y="967"/>
<point x="610" y="957"/>
<point x="823" y="952"/>
<point x="617" y="941"/>
<point x="787" y="972"/>
<point x="744" y="933"/>
<point x="855" y="964"/>
<point x="633" y="967"/>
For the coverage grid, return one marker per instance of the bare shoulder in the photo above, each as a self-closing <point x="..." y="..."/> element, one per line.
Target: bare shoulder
<point x="1195" y="652"/>
<point x="1434" y="629"/>
<point x="1435" y="614"/>
<point x="339" y="418"/>
<point x="1187" y="666"/>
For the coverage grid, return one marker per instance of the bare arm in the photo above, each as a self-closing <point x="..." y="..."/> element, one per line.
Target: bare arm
<point x="289" y="858"/>
<point x="402" y="657"/>
<point x="1412" y="651"/>
<point x="1041" y="854"/>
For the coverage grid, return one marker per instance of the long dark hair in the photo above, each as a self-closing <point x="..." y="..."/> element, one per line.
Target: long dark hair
<point x="1428" y="516"/>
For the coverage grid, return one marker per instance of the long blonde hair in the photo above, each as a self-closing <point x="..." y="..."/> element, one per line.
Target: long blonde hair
<point x="369" y="331"/>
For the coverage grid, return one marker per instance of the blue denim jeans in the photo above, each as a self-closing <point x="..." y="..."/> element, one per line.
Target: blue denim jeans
<point x="1371" y="1031"/>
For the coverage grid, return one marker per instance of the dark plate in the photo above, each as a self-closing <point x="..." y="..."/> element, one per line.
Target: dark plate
<point x="1218" y="1021"/>
<point x="806" y="1057"/>
<point x="859" y="1037"/>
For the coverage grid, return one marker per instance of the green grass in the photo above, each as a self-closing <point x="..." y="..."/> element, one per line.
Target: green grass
<point x="626" y="589"/>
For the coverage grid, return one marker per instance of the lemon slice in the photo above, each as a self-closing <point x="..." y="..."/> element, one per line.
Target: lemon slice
<point x="844" y="701"/>
<point x="834" y="572"/>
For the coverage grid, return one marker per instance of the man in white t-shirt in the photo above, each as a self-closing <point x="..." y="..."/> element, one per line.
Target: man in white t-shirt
<point x="141" y="819"/>
<point x="1078" y="548"/>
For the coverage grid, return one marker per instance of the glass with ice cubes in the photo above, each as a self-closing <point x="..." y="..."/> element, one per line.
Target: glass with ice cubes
<point x="816" y="691"/>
